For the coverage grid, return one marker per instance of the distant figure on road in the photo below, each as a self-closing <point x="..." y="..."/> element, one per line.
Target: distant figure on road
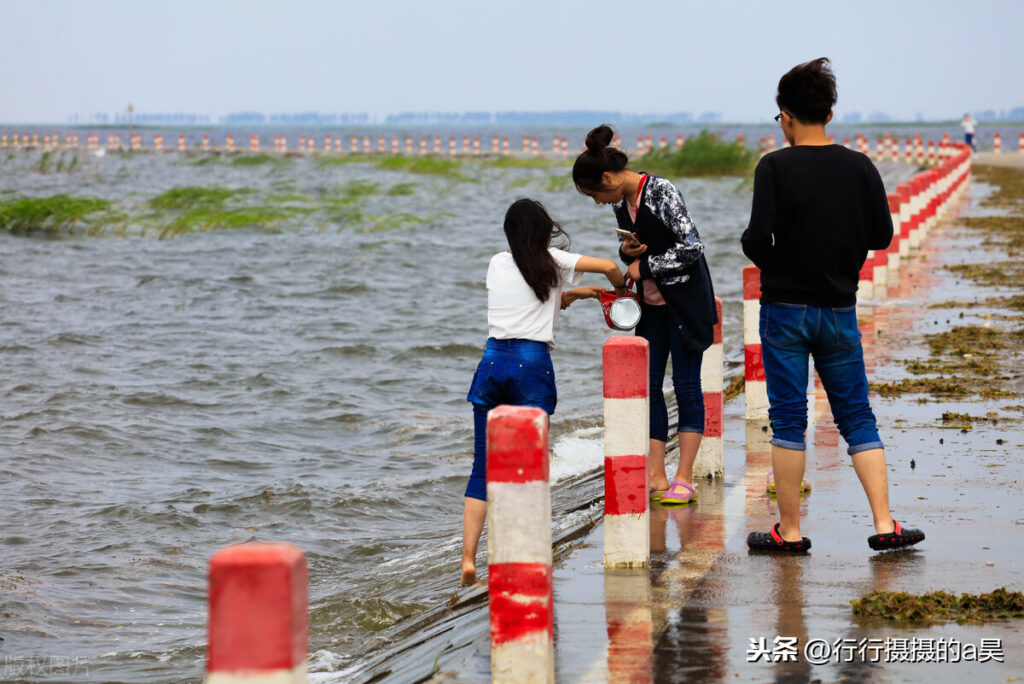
<point x="525" y="291"/>
<point x="817" y="210"/>
<point x="968" y="126"/>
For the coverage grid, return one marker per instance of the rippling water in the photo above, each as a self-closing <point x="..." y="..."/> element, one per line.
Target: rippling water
<point x="164" y="398"/>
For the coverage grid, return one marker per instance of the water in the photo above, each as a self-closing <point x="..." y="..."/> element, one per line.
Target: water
<point x="164" y="398"/>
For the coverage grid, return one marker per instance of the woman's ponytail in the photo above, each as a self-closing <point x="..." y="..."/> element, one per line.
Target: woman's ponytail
<point x="599" y="158"/>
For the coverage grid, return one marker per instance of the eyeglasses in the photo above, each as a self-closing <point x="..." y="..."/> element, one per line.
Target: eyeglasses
<point x="778" y="117"/>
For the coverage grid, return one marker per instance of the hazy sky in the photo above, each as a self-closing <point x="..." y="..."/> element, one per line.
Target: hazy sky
<point x="938" y="58"/>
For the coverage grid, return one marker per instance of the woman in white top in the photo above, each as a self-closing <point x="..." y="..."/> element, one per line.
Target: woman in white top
<point x="525" y="291"/>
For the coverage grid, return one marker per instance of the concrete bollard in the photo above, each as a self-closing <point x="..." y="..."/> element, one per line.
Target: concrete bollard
<point x="408" y="145"/>
<point x="437" y="144"/>
<point x="476" y="145"/>
<point x="662" y="143"/>
<point x="755" y="389"/>
<point x="181" y="142"/>
<point x="451" y="146"/>
<point x="158" y="142"/>
<point x="904" y="224"/>
<point x="896" y="246"/>
<point x="254" y="143"/>
<point x="495" y="144"/>
<point x="327" y="142"/>
<point x="997" y="143"/>
<point x="423" y="145"/>
<point x="505" y="146"/>
<point x="895" y="149"/>
<point x="771" y="142"/>
<point x="866" y="279"/>
<point x="519" y="545"/>
<point x="1020" y="144"/>
<point x="229" y="142"/>
<point x="639" y="145"/>
<point x="258" y="623"/>
<point x="648" y="143"/>
<point x="206" y="142"/>
<point x="366" y="145"/>
<point x="526" y="144"/>
<point x="354" y="144"/>
<point x="880" y="149"/>
<point x="711" y="455"/>
<point x="337" y="144"/>
<point x="536" y="147"/>
<point x="381" y="144"/>
<point x="908" y="151"/>
<point x="846" y="143"/>
<point x="627" y="531"/>
<point x="394" y="144"/>
<point x="679" y="141"/>
<point x="565" y="145"/>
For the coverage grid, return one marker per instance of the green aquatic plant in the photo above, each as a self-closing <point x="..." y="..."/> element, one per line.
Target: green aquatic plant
<point x="192" y="197"/>
<point x="257" y="160"/>
<point x="940" y="605"/>
<point x="358" y="187"/>
<point x="558" y="183"/>
<point x="703" y="155"/>
<point x="510" y="162"/>
<point x="399" y="189"/>
<point x="448" y="168"/>
<point x="341" y="160"/>
<point x="43" y="165"/>
<point x="48" y="214"/>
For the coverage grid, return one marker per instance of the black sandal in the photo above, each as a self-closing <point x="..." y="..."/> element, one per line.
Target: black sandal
<point x="773" y="541"/>
<point x="896" y="539"/>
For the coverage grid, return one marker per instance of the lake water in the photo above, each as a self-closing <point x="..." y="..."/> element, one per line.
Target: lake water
<point x="164" y="398"/>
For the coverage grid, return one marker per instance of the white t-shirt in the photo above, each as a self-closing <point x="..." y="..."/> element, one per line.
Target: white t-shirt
<point x="968" y="125"/>
<point x="513" y="310"/>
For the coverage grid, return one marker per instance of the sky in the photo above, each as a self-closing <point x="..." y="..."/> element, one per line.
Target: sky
<point x="933" y="58"/>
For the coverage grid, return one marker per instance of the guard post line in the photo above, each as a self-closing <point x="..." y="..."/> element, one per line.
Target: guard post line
<point x="627" y="531"/>
<point x="755" y="390"/>
<point x="519" y="546"/>
<point x="710" y="460"/>
<point x="258" y="601"/>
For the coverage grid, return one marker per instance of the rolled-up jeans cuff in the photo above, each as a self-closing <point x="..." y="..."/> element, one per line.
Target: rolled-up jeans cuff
<point x="699" y="431"/>
<point x="857" y="448"/>
<point x="785" y="444"/>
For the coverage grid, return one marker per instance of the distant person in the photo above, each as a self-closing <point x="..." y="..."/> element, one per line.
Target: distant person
<point x="666" y="257"/>
<point x="968" y="124"/>
<point x="817" y="210"/>
<point x="525" y="290"/>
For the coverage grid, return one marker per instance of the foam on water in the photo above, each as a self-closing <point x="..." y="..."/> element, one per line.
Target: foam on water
<point x="579" y="452"/>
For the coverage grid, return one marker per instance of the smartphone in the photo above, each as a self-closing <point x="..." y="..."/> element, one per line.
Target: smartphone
<point x="626" y="235"/>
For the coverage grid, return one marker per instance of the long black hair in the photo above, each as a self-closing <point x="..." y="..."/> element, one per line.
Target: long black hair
<point x="530" y="231"/>
<point x="597" y="159"/>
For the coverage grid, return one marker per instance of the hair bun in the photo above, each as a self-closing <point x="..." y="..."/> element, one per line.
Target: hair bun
<point x="599" y="138"/>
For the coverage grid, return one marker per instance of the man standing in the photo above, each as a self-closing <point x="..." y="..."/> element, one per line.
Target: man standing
<point x="817" y="210"/>
<point x="968" y="126"/>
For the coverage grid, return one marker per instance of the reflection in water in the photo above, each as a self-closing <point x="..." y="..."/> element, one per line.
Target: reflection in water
<point x="627" y="601"/>
<point x="787" y="577"/>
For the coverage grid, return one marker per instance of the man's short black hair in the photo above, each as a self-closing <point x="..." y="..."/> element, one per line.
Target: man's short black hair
<point x="808" y="91"/>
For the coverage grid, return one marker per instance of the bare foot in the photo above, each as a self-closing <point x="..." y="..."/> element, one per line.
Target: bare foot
<point x="468" y="575"/>
<point x="658" y="482"/>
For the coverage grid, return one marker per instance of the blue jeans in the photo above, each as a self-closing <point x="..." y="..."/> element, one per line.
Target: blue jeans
<point x="791" y="332"/>
<point x="517" y="372"/>
<point x="661" y="330"/>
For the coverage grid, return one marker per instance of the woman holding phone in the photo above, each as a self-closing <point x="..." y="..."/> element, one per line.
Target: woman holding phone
<point x="666" y="257"/>
<point x="525" y="291"/>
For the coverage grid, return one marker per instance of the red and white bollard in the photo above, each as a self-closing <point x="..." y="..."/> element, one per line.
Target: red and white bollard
<point x="254" y="143"/>
<point x="662" y="143"/>
<point x="337" y="143"/>
<point x="366" y="144"/>
<point x="909" y="151"/>
<point x="354" y="144"/>
<point x="134" y="143"/>
<point x="258" y="623"/>
<point x="408" y="145"/>
<point x="711" y="456"/>
<point x="394" y="144"/>
<point x="679" y="141"/>
<point x="495" y="144"/>
<point x="536" y="146"/>
<point x="756" y="391"/>
<point x="896" y="246"/>
<point x="648" y="143"/>
<point x="771" y="142"/>
<point x="931" y="153"/>
<point x="451" y="146"/>
<point x="423" y="145"/>
<point x="311" y="144"/>
<point x="229" y="142"/>
<point x="565" y="145"/>
<point x="476" y="145"/>
<point x="846" y="143"/>
<point x="880" y="150"/>
<point x="895" y="150"/>
<point x="302" y="143"/>
<point x="327" y="142"/>
<point x="526" y="144"/>
<point x="181" y="142"/>
<point x="3" y="139"/>
<point x="556" y="144"/>
<point x="640" y="145"/>
<point x="158" y="142"/>
<point x="381" y="144"/>
<point x="519" y="545"/>
<point x="206" y="142"/>
<point x="504" y="146"/>
<point x="627" y="532"/>
<point x="866" y="279"/>
<point x="437" y="144"/>
<point x="997" y="143"/>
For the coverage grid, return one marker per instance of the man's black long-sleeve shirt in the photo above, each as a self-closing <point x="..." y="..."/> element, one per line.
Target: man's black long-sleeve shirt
<point x="816" y="213"/>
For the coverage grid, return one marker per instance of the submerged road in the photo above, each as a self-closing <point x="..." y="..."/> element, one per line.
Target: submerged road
<point x="709" y="610"/>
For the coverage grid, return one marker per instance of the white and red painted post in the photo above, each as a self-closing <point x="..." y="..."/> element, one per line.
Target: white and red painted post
<point x="662" y="143"/>
<point x="394" y="144"/>
<point x="229" y="142"/>
<point x="302" y="143"/>
<point x="711" y="455"/>
<point x="366" y="144"/>
<point x="627" y="532"/>
<point x="931" y="153"/>
<point x="135" y="142"/>
<point x="536" y="146"/>
<point x="3" y="139"/>
<point x="679" y="141"/>
<point x="354" y="144"/>
<point x="258" y="623"/>
<point x="895" y="148"/>
<point x="1020" y="143"/>
<point x="495" y="144"/>
<point x="181" y="142"/>
<point x="909" y="151"/>
<point x="423" y="145"/>
<point x="504" y="146"/>
<point x="337" y="144"/>
<point x="158" y="142"/>
<point x="526" y="144"/>
<point x="408" y="145"/>
<point x="206" y="142"/>
<point x="254" y="143"/>
<point x="755" y="389"/>
<point x="880" y="150"/>
<point x="997" y="143"/>
<point x="648" y="143"/>
<point x="451" y="146"/>
<point x="74" y="140"/>
<point x="846" y="143"/>
<point x="437" y="144"/>
<point x="476" y="145"/>
<point x="771" y="142"/>
<point x="565" y="145"/>
<point x="896" y="246"/>
<point x="640" y="145"/>
<point x="866" y="279"/>
<point x="519" y="545"/>
<point x="381" y="144"/>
